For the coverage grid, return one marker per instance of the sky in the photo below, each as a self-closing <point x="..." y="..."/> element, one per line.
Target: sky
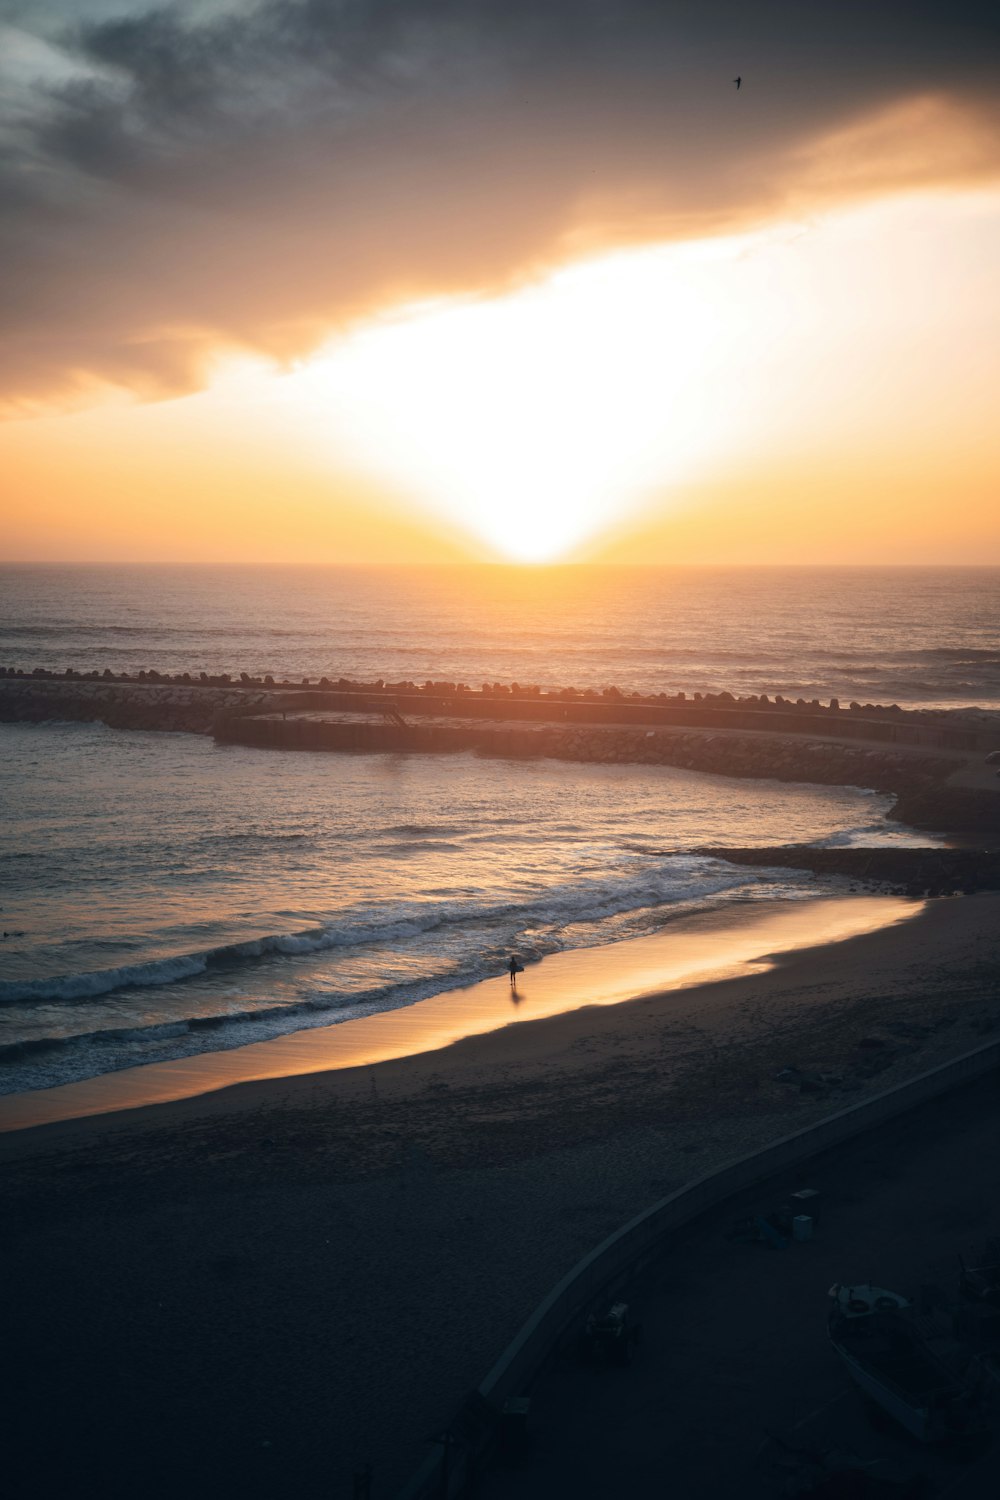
<point x="356" y="281"/>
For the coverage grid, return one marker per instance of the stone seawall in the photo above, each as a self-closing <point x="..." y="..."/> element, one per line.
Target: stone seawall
<point x="887" y="756"/>
<point x="189" y="710"/>
<point x="193" y="702"/>
<point x="915" y="779"/>
<point x="728" y="754"/>
<point x="912" y="872"/>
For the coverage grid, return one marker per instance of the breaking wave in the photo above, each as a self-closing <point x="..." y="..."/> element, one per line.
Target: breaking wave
<point x="680" y="879"/>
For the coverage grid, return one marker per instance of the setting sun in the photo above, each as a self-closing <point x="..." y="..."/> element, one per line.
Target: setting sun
<point x="793" y="394"/>
<point x="499" y="722"/>
<point x="538" y="419"/>
<point x="562" y="414"/>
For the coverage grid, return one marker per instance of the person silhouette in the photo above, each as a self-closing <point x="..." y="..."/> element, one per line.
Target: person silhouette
<point x="513" y="969"/>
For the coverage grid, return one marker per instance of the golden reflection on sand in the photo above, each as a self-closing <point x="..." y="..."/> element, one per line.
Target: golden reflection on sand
<point x="690" y="951"/>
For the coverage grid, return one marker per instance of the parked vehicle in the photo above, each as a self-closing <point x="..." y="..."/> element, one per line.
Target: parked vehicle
<point x="981" y="1283"/>
<point x="609" y="1336"/>
<point x="908" y="1364"/>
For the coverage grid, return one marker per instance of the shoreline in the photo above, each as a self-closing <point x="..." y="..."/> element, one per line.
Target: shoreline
<point x="691" y="952"/>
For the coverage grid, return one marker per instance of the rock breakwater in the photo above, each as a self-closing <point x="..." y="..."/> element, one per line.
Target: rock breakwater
<point x="909" y="755"/>
<point x="187" y="709"/>
<point x="915" y="778"/>
<point x="727" y="753"/>
<point x="22" y="691"/>
<point x="911" y="872"/>
<point x="770" y="757"/>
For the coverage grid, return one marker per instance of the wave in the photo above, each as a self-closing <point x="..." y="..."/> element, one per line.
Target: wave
<point x="568" y="644"/>
<point x="253" y="836"/>
<point x="422" y="830"/>
<point x="150" y="634"/>
<point x="30" y="1047"/>
<point x="53" y="1060"/>
<point x="682" y="878"/>
<point x="102" y="981"/>
<point x="957" y="654"/>
<point x="166" y="1031"/>
<point x="163" y="971"/>
<point x="408" y="847"/>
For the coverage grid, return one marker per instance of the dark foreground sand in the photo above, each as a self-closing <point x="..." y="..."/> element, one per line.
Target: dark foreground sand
<point x="734" y="1389"/>
<point x="255" y="1293"/>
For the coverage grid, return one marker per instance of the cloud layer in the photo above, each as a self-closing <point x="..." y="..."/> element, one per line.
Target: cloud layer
<point x="211" y="175"/>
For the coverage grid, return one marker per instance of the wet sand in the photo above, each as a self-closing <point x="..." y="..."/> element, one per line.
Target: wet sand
<point x="258" y="1290"/>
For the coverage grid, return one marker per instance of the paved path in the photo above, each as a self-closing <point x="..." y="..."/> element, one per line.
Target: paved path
<point x="734" y="1343"/>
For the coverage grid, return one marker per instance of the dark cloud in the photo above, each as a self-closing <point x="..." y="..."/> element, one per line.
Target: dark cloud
<point x="183" y="177"/>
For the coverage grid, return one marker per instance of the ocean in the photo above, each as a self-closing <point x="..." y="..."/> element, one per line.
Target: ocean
<point x="163" y="896"/>
<point x="916" y="636"/>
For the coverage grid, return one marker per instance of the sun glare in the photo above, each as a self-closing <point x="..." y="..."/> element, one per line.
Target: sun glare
<point x="542" y="422"/>
<point x="535" y="420"/>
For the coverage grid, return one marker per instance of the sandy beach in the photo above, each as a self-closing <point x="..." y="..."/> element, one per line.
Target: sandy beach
<point x="499" y="726"/>
<point x="745" y="938"/>
<point x="259" y="1290"/>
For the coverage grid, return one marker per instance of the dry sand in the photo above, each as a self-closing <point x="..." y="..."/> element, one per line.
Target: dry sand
<point x="255" y="1292"/>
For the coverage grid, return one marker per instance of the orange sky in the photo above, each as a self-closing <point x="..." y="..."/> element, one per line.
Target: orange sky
<point x="777" y="341"/>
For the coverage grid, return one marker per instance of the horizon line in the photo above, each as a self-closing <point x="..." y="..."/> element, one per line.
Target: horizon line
<point x="510" y="565"/>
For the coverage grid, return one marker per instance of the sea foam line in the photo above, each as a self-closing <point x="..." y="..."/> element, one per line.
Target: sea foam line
<point x="572" y="904"/>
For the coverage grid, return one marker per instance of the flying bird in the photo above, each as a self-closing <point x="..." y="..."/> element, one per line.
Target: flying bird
<point x="738" y="80"/>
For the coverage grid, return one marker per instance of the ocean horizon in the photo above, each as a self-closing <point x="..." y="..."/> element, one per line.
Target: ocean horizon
<point x="920" y="636"/>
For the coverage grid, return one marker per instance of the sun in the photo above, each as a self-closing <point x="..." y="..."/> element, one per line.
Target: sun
<point x="535" y="420"/>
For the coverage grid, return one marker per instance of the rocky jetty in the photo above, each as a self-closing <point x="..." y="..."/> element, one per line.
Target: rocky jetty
<point x="185" y="708"/>
<point x="196" y="699"/>
<point x="917" y="780"/>
<point x="769" y="758"/>
<point x="913" y="872"/>
<point x="910" y="754"/>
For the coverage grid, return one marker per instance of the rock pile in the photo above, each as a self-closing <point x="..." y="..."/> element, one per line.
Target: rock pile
<point x="531" y="701"/>
<point x="912" y="872"/>
<point x="193" y="710"/>
<point x="769" y="758"/>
